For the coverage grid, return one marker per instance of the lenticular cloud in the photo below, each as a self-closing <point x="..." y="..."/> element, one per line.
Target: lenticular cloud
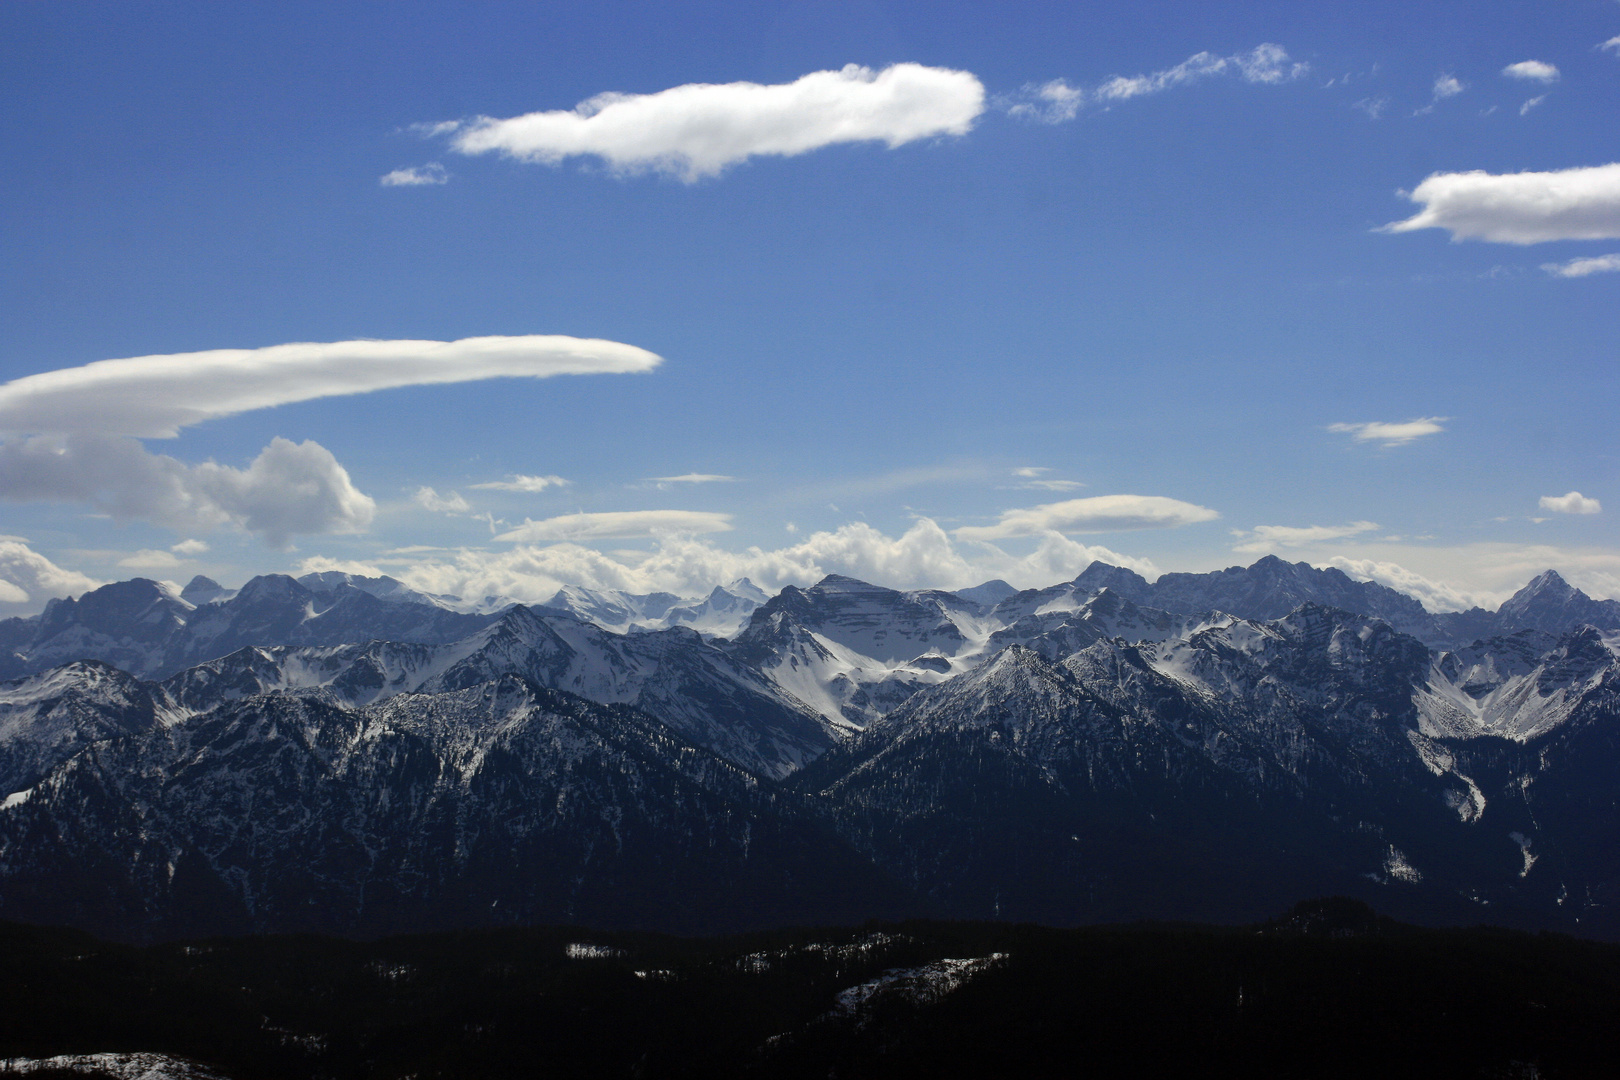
<point x="699" y="129"/>
<point x="76" y="432"/>
<point x="155" y="396"/>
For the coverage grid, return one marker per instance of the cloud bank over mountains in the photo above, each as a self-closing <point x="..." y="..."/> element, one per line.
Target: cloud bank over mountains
<point x="924" y="556"/>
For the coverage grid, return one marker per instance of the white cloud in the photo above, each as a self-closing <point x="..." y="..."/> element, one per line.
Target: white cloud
<point x="1612" y="45"/>
<point x="431" y="173"/>
<point x="1519" y="208"/>
<point x="28" y="579"/>
<point x="1488" y="573"/>
<point x="1532" y="103"/>
<point x="692" y="478"/>
<point x="1532" y="71"/>
<point x="1446" y="86"/>
<point x="1102" y="513"/>
<point x="156" y="396"/>
<point x="1572" y="503"/>
<point x="289" y="489"/>
<point x="530" y="484"/>
<point x="428" y="499"/>
<point x="320" y="564"/>
<point x="924" y="557"/>
<point x="189" y="547"/>
<point x="1393" y="434"/>
<point x="1597" y="264"/>
<point x="1031" y="475"/>
<point x="1263" y="538"/>
<point x="700" y="129"/>
<point x="1433" y="595"/>
<point x="432" y="130"/>
<point x="1373" y="107"/>
<point x="619" y="523"/>
<point x="150" y="559"/>
<point x="1266" y="64"/>
<point x="1050" y="103"/>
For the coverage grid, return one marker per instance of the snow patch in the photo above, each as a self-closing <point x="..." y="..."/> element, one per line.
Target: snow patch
<point x="123" y="1066"/>
<point x="1524" y="849"/>
<point x="581" y="950"/>
<point x="917" y="985"/>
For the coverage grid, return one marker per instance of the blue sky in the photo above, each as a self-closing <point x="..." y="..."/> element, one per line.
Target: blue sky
<point x="1143" y="314"/>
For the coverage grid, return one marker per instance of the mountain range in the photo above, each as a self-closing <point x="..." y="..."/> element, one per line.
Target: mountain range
<point x="345" y="754"/>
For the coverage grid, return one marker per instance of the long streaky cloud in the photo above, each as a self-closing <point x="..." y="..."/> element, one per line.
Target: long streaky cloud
<point x="1396" y="434"/>
<point x="519" y="482"/>
<point x="1519" y="208"/>
<point x="700" y="129"/>
<point x="1102" y="513"/>
<point x="1263" y="538"/>
<point x="1593" y="264"/>
<point x="156" y="396"/>
<point x="1266" y="64"/>
<point x="622" y="524"/>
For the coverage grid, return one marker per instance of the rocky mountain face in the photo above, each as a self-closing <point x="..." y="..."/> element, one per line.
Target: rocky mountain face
<point x="1067" y="755"/>
<point x="149" y="629"/>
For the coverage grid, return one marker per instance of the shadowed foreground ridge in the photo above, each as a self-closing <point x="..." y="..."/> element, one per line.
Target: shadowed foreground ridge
<point x="1331" y="989"/>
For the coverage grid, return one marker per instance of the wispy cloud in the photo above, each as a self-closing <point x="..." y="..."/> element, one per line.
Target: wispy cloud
<point x="416" y="176"/>
<point x="1049" y="102"/>
<point x="1612" y="45"/>
<point x="1263" y="538"/>
<point x="518" y="482"/>
<point x="150" y="559"/>
<point x="1373" y="107"/>
<point x="1102" y="513"/>
<point x="1445" y="86"/>
<point x="1532" y="103"/>
<point x="1059" y="100"/>
<point x="1267" y="64"/>
<point x="428" y="499"/>
<point x="1596" y="264"/>
<point x="1532" y="71"/>
<point x="664" y="483"/>
<point x="617" y="524"/>
<point x="1034" y="480"/>
<point x="1519" y="208"/>
<point x="1572" y="503"/>
<point x="701" y="129"/>
<point x="1392" y="434"/>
